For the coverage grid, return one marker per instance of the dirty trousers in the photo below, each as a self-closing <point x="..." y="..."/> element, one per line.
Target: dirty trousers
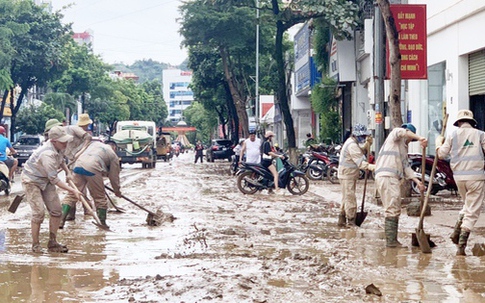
<point x="94" y="184"/>
<point x="38" y="198"/>
<point x="390" y="190"/>
<point x="349" y="201"/>
<point x="473" y="194"/>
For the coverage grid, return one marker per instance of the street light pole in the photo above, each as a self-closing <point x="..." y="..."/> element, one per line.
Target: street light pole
<point x="256" y="97"/>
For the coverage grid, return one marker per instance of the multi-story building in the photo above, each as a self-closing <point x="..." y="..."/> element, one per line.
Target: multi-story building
<point x="176" y="92"/>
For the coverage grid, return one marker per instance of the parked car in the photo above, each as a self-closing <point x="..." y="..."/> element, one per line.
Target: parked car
<point x="26" y="145"/>
<point x="219" y="149"/>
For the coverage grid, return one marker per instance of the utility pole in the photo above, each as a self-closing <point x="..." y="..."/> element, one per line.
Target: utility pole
<point x="256" y="94"/>
<point x="379" y="67"/>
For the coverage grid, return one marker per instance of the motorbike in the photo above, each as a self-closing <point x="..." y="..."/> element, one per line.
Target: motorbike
<point x="321" y="166"/>
<point x="443" y="178"/>
<point x="255" y="177"/>
<point x="4" y="180"/>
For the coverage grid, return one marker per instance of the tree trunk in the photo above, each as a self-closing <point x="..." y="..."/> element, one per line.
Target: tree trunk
<point x="281" y="94"/>
<point x="239" y="102"/>
<point x="394" y="62"/>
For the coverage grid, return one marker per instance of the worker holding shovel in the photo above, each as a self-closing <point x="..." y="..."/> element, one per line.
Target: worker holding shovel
<point x="466" y="146"/>
<point x="97" y="161"/>
<point x="352" y="160"/>
<point x="391" y="166"/>
<point x="39" y="180"/>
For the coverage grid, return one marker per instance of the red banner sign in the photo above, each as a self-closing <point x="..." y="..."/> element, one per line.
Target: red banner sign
<point x="411" y="24"/>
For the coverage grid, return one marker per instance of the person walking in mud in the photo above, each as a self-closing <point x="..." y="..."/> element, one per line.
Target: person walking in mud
<point x="97" y="161"/>
<point x="466" y="145"/>
<point x="391" y="166"/>
<point x="269" y="153"/>
<point x="39" y="181"/>
<point x="352" y="160"/>
<point x="251" y="148"/>
<point x="199" y="152"/>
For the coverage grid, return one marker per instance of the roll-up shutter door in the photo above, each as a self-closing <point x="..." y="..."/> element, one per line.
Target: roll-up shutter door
<point x="476" y="73"/>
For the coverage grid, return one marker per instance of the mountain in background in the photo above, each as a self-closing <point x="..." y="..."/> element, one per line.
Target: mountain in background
<point x="147" y="70"/>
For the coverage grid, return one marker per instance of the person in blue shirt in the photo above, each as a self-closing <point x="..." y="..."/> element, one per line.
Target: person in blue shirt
<point x="9" y="161"/>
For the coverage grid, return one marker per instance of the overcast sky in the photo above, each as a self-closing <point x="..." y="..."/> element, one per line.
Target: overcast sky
<point x="128" y="30"/>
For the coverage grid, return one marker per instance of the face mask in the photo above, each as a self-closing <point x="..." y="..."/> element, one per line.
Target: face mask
<point x="361" y="139"/>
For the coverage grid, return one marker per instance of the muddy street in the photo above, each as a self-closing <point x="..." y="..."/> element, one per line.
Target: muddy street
<point x="224" y="246"/>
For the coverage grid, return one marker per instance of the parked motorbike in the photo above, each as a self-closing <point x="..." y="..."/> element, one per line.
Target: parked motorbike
<point x="253" y="177"/>
<point x="4" y="180"/>
<point x="442" y="180"/>
<point x="321" y="166"/>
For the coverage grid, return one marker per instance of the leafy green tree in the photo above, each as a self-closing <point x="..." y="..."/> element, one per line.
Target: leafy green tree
<point x="61" y="102"/>
<point x="157" y="108"/>
<point x="227" y="31"/>
<point x="38" y="47"/>
<point x="85" y="71"/>
<point x="31" y="119"/>
<point x="204" y="121"/>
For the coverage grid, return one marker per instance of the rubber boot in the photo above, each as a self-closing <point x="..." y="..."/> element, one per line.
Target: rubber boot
<point x="341" y="220"/>
<point x="35" y="237"/>
<point x="102" y="216"/>
<point x="351" y="221"/>
<point x="65" y="212"/>
<point x="455" y="236"/>
<point x="71" y="216"/>
<point x="462" y="243"/>
<point x="390" y="228"/>
<point x="53" y="245"/>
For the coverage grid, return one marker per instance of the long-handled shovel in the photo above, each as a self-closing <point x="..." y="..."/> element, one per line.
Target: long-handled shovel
<point x="420" y="234"/>
<point x="118" y="209"/>
<point x="360" y="216"/>
<point x="90" y="210"/>
<point x="151" y="215"/>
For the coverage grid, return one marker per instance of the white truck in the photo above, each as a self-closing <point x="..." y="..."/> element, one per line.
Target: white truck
<point x="136" y="142"/>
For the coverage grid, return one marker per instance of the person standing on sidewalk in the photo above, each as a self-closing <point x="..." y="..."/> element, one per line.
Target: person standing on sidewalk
<point x="97" y="161"/>
<point x="252" y="148"/>
<point x="199" y="152"/>
<point x="39" y="180"/>
<point x="352" y="160"/>
<point x="392" y="165"/>
<point x="466" y="146"/>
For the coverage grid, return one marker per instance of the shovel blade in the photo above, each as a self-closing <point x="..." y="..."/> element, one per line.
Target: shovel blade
<point x="15" y="203"/>
<point x="360" y="217"/>
<point x="423" y="241"/>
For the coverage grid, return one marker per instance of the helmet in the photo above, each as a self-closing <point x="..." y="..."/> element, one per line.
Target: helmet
<point x="2" y="130"/>
<point x="409" y="126"/>
<point x="360" y="130"/>
<point x="50" y="124"/>
<point x="252" y="132"/>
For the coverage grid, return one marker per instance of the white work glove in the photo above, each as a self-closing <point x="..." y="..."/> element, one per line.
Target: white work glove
<point x="439" y="141"/>
<point x="371" y="167"/>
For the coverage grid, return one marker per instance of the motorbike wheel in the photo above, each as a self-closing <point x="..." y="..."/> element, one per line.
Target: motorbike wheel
<point x="315" y="174"/>
<point x="414" y="187"/>
<point x="244" y="183"/>
<point x="298" y="185"/>
<point x="332" y="174"/>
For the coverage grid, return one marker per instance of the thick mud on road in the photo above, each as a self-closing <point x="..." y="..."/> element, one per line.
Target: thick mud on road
<point x="227" y="247"/>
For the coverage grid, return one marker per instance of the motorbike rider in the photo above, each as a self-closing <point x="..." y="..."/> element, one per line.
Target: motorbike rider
<point x="252" y="148"/>
<point x="10" y="161"/>
<point x="268" y="153"/>
<point x="352" y="160"/>
<point x="39" y="180"/>
<point x="466" y="145"/>
<point x="391" y="166"/>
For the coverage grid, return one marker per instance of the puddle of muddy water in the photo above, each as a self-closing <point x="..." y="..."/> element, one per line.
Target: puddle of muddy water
<point x="227" y="247"/>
